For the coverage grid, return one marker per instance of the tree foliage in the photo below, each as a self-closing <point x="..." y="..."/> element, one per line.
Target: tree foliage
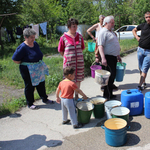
<point x="8" y="7"/>
<point x="57" y="12"/>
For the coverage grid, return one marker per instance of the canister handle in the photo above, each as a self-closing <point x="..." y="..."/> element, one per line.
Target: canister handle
<point x="102" y="126"/>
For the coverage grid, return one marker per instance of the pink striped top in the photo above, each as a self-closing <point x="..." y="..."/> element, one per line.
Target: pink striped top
<point x="73" y="56"/>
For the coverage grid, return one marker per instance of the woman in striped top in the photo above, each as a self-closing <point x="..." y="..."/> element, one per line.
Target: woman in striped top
<point x="70" y="46"/>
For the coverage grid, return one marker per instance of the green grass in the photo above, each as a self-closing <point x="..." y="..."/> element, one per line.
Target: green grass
<point x="126" y="45"/>
<point x="10" y="75"/>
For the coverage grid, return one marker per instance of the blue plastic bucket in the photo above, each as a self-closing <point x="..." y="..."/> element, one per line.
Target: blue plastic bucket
<point x="147" y="105"/>
<point x="122" y="64"/>
<point x="91" y="46"/>
<point x="120" y="72"/>
<point x="115" y="131"/>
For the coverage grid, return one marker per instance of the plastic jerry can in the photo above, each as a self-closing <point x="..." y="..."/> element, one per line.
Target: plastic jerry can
<point x="133" y="100"/>
<point x="147" y="105"/>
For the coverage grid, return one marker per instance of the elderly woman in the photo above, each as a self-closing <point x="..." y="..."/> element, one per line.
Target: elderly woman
<point x="32" y="68"/>
<point x="71" y="45"/>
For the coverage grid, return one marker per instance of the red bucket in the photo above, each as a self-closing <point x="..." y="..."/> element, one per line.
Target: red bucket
<point x="93" y="68"/>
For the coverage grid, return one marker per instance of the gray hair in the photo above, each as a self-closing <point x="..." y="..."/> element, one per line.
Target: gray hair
<point x="101" y="16"/>
<point x="107" y="19"/>
<point x="27" y="32"/>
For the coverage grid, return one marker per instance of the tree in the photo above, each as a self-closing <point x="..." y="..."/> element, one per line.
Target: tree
<point x="9" y="21"/>
<point x="140" y="8"/>
<point x="83" y="10"/>
<point x="37" y="11"/>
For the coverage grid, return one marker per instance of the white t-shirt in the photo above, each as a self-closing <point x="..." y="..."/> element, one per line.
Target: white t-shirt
<point x="109" y="41"/>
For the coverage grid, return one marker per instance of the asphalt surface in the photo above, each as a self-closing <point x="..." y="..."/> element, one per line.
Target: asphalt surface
<point x="42" y="129"/>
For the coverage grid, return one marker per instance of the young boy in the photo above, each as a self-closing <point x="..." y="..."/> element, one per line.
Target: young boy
<point x="67" y="88"/>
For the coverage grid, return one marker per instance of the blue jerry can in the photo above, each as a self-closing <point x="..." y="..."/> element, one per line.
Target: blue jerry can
<point x="147" y="105"/>
<point x="133" y="100"/>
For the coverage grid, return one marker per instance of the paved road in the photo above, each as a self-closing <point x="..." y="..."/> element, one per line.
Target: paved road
<point x="42" y="129"/>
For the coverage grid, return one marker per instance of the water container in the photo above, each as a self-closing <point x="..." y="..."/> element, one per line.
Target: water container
<point x="133" y="100"/>
<point x="102" y="77"/>
<point x="122" y="64"/>
<point x="93" y="68"/>
<point x="115" y="131"/>
<point x="98" y="103"/>
<point x="84" y="111"/>
<point x="109" y="105"/>
<point x="91" y="46"/>
<point x="147" y="105"/>
<point x="120" y="71"/>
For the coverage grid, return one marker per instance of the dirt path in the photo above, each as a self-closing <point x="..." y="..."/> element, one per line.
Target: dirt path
<point x="9" y="92"/>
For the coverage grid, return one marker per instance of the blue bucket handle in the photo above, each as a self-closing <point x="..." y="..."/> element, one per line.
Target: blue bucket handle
<point x="102" y="126"/>
<point x="128" y="127"/>
<point x="92" y="42"/>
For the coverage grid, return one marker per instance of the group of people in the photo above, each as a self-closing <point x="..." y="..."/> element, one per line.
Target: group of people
<point x="71" y="45"/>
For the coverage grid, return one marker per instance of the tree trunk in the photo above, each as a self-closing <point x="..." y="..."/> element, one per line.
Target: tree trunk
<point x="1" y="43"/>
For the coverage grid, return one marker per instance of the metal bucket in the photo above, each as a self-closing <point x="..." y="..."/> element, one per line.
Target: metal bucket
<point x="102" y="77"/>
<point x="120" y="112"/>
<point x="84" y="111"/>
<point x="98" y="103"/>
<point x="115" y="131"/>
<point x="109" y="105"/>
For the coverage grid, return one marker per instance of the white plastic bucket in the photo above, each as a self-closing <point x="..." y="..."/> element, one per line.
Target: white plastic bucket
<point x="109" y="105"/>
<point x="102" y="77"/>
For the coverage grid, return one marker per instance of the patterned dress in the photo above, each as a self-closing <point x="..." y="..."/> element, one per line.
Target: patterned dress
<point x="73" y="56"/>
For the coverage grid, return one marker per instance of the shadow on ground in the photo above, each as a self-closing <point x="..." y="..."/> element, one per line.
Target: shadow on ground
<point x="33" y="142"/>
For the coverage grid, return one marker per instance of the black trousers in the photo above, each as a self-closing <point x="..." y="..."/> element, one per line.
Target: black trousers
<point x="111" y="67"/>
<point x="29" y="89"/>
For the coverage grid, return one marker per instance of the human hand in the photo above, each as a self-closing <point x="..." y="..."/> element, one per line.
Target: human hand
<point x="119" y="59"/>
<point x="85" y="97"/>
<point x="58" y="100"/>
<point x="138" y="38"/>
<point x="96" y="60"/>
<point x="94" y="38"/>
<point x="104" y="62"/>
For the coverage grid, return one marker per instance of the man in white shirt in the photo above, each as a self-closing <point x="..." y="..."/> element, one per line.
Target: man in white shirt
<point x="109" y="50"/>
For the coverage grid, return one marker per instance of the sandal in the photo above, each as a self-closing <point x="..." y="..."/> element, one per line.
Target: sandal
<point x="66" y="122"/>
<point x="49" y="102"/>
<point x="33" y="107"/>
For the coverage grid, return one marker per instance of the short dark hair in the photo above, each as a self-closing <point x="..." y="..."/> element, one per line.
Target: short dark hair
<point x="148" y="12"/>
<point x="68" y="70"/>
<point x="72" y="21"/>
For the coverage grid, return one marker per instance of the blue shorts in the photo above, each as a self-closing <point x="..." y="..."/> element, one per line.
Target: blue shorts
<point x="143" y="59"/>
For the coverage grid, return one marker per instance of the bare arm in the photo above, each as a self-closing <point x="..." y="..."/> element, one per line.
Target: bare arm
<point x="101" y="51"/>
<point x="61" y="53"/>
<point x="17" y="62"/>
<point x="58" y="100"/>
<point x="92" y="29"/>
<point x="81" y="93"/>
<point x="134" y="31"/>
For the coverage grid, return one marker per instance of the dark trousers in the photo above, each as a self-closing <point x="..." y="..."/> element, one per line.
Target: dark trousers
<point x="29" y="89"/>
<point x="111" y="67"/>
